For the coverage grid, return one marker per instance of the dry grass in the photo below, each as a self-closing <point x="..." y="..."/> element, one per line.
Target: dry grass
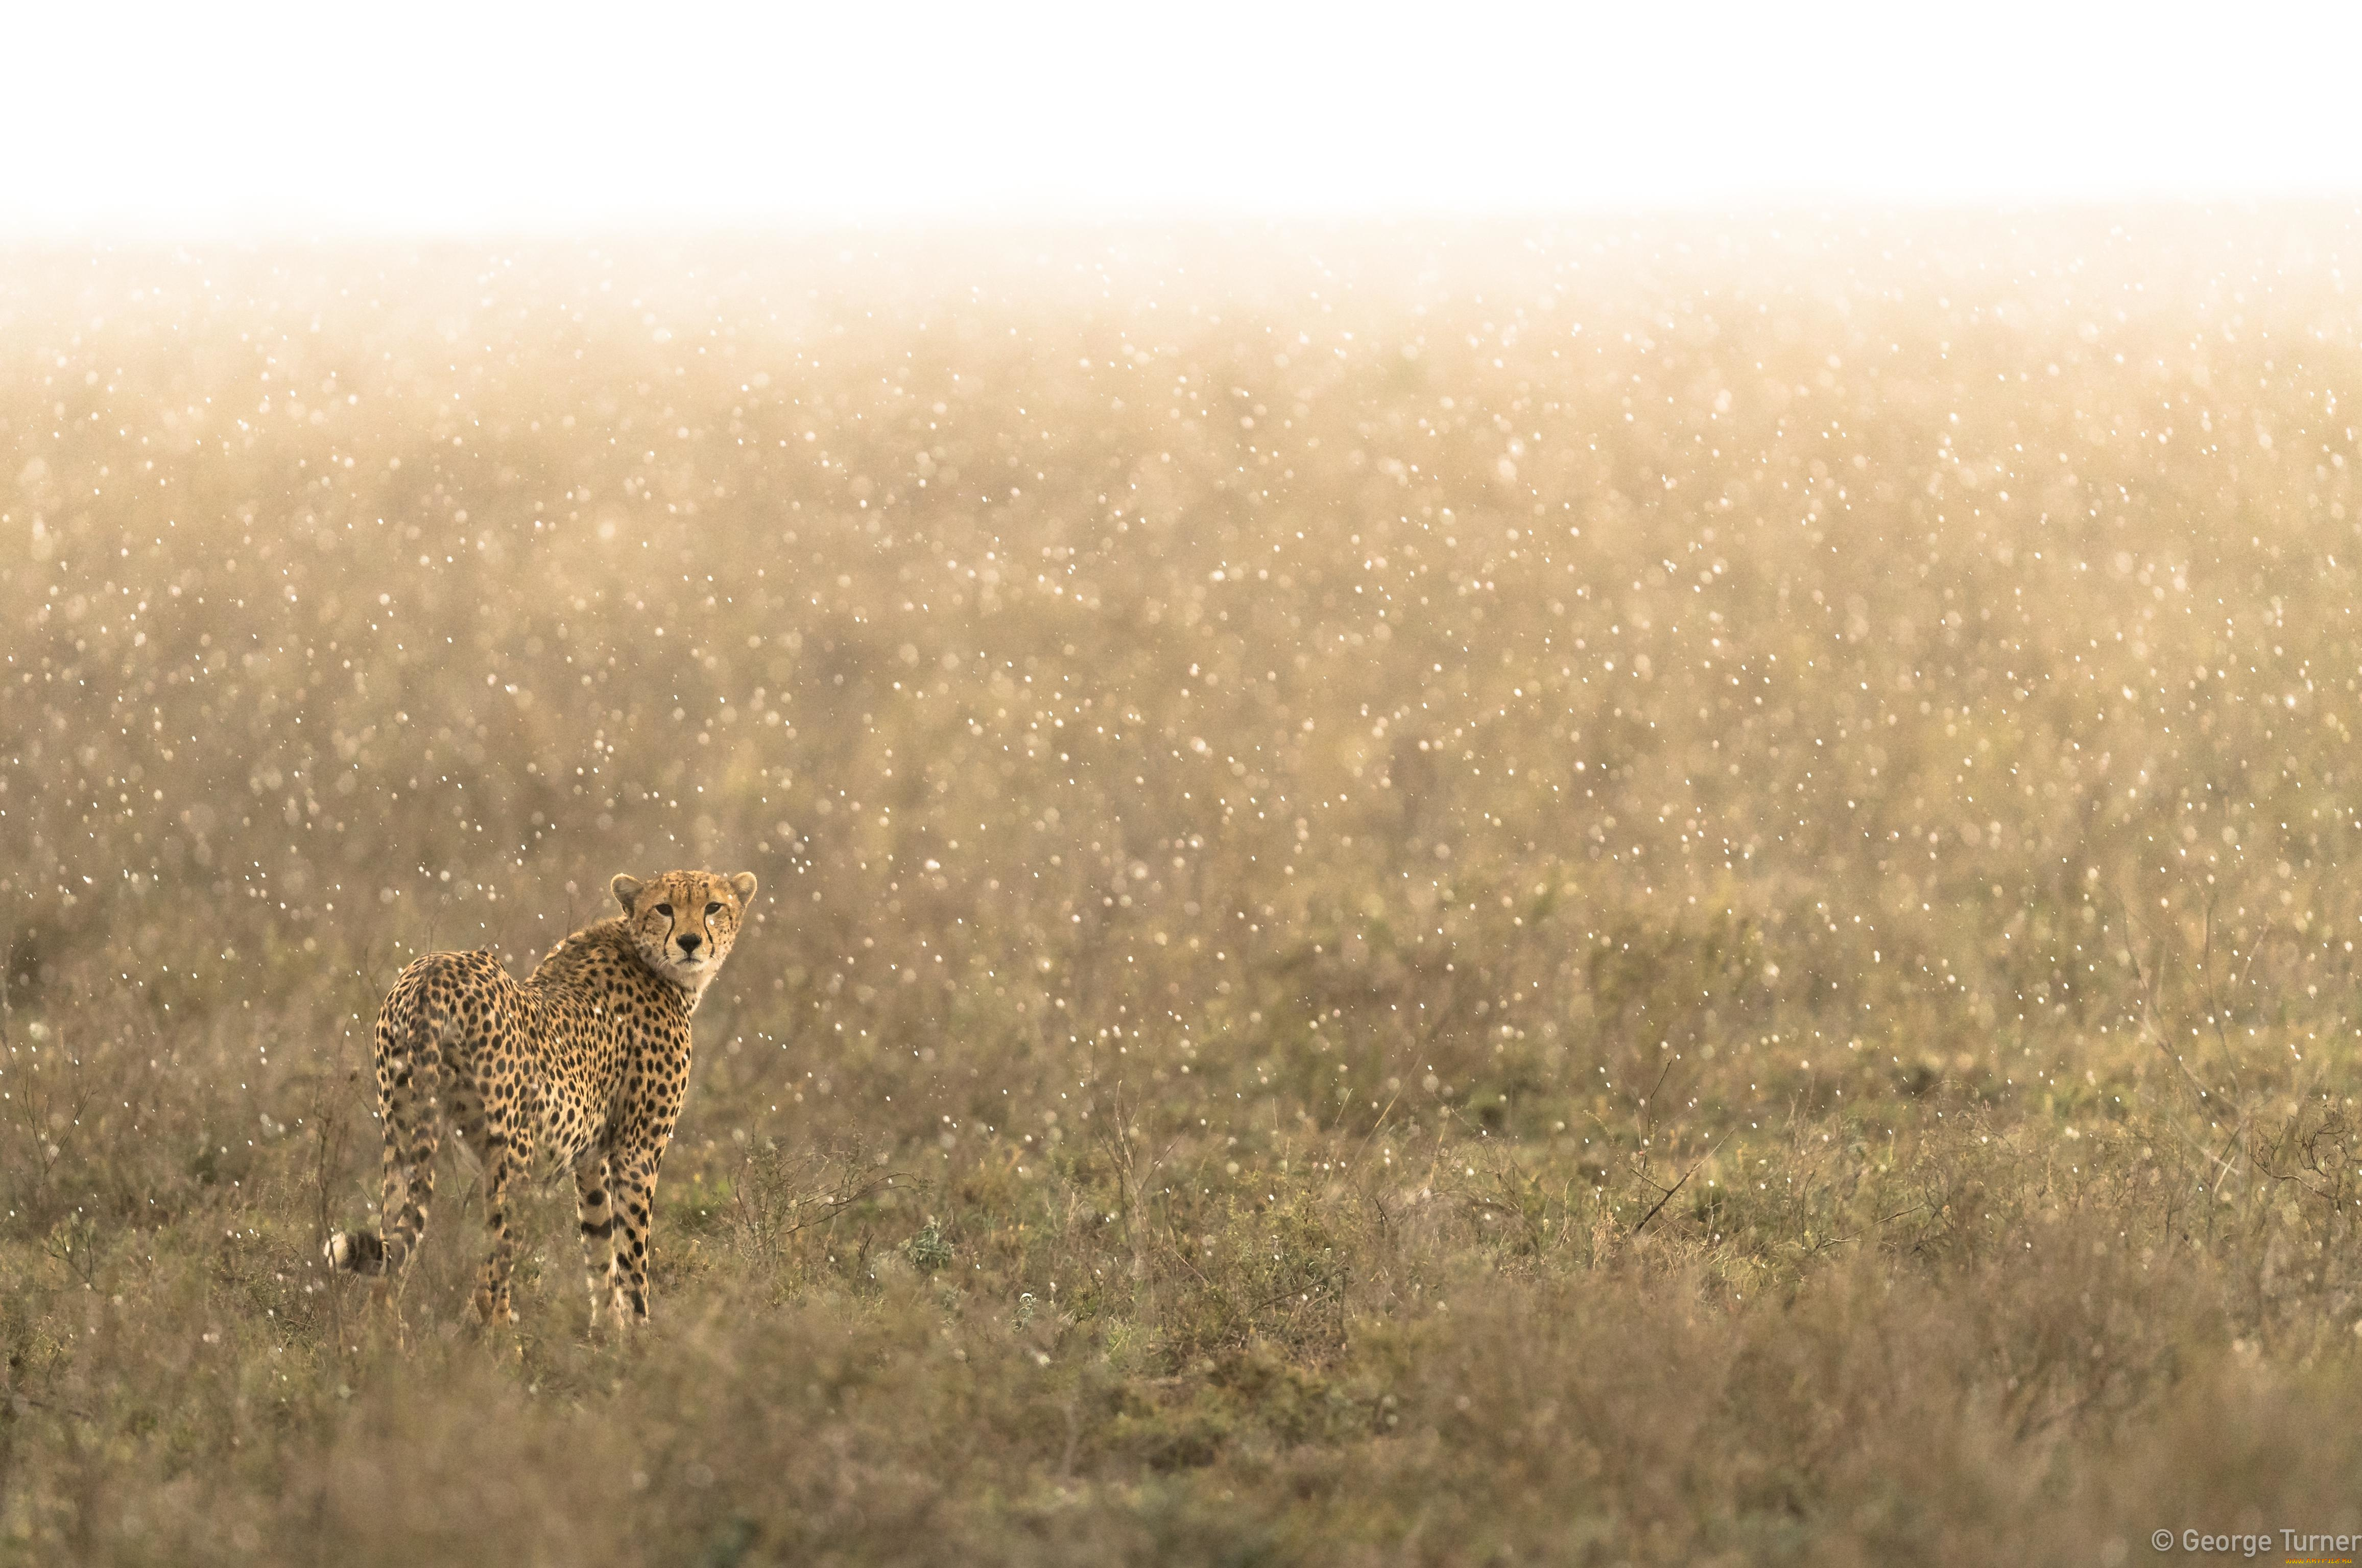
<point x="1670" y="895"/>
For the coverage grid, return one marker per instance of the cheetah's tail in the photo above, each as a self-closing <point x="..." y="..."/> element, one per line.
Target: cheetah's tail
<point x="411" y="1114"/>
<point x="360" y="1251"/>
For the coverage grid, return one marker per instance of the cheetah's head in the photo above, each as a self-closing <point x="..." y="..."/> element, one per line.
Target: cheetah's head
<point x="684" y="922"/>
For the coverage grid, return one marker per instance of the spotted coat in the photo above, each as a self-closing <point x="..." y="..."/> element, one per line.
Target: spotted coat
<point x="583" y="1066"/>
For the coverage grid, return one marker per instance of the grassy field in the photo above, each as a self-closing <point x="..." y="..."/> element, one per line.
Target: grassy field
<point x="1673" y="894"/>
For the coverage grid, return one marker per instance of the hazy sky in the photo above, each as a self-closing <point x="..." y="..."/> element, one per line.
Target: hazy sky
<point x="192" y="119"/>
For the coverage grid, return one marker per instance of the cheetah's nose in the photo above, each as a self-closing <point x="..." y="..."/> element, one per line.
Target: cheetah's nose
<point x="689" y="944"/>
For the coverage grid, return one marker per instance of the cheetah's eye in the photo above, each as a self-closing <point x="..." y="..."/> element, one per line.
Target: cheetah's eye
<point x="664" y="908"/>
<point x="713" y="909"/>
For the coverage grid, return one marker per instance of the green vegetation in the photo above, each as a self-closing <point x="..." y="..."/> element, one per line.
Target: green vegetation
<point x="1669" y="895"/>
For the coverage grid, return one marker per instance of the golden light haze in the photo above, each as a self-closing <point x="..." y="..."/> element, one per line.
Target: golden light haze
<point x="1632" y="891"/>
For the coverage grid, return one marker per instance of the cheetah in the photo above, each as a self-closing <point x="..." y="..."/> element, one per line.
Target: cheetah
<point x="585" y="1064"/>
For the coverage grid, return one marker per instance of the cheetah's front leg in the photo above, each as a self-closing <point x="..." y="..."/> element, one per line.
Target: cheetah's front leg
<point x="636" y="1197"/>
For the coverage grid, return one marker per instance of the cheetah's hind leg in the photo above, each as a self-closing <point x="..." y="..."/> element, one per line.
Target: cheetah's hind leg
<point x="596" y="1217"/>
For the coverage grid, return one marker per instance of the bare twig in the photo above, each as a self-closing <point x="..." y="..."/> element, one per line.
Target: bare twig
<point x="1670" y="1191"/>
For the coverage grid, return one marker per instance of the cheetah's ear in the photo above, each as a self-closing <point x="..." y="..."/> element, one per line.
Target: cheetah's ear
<point x="743" y="885"/>
<point x="627" y="889"/>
